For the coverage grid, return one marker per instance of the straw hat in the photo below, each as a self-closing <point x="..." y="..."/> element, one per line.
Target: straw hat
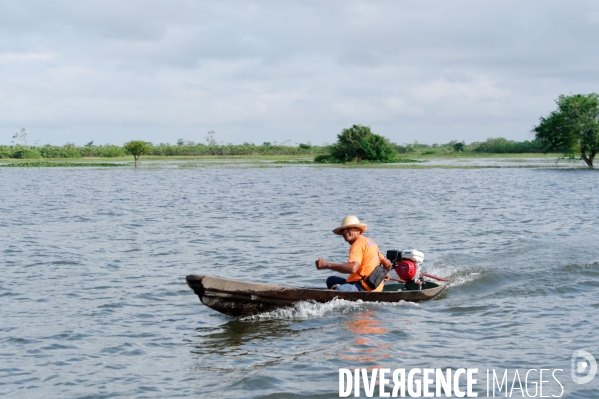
<point x="350" y="221"/>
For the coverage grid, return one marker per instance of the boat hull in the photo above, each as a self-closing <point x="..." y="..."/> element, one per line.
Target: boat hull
<point x="240" y="298"/>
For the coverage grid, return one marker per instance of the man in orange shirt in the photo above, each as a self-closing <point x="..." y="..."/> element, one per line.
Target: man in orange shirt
<point x="364" y="257"/>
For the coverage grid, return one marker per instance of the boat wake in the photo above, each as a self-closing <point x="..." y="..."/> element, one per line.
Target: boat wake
<point x="455" y="271"/>
<point x="310" y="310"/>
<point x="461" y="278"/>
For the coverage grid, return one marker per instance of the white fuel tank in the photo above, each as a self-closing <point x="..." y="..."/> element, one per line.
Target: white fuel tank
<point x="413" y="254"/>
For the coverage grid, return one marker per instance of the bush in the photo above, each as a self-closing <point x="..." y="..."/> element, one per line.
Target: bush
<point x="503" y="146"/>
<point x="110" y="151"/>
<point x="66" y="151"/>
<point x="459" y="147"/>
<point x="325" y="158"/>
<point x="234" y="149"/>
<point x="5" y="151"/>
<point x="25" y="152"/>
<point x="400" y="149"/>
<point x="359" y="144"/>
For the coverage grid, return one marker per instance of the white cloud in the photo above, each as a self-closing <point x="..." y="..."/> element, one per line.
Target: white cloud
<point x="25" y="57"/>
<point x="475" y="89"/>
<point x="303" y="70"/>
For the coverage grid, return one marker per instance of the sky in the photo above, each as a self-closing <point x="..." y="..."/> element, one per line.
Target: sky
<point x="290" y="71"/>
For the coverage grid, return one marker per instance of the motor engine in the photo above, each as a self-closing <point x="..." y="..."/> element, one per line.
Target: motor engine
<point x="407" y="264"/>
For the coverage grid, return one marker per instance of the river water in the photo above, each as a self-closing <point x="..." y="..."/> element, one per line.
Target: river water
<point x="93" y="299"/>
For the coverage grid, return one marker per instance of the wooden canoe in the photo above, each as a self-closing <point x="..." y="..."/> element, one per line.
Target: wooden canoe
<point x="241" y="298"/>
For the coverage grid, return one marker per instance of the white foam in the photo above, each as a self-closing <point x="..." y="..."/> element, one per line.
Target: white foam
<point x="460" y="280"/>
<point x="310" y="310"/>
<point x="456" y="275"/>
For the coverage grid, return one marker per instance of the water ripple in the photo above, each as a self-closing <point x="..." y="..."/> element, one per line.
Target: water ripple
<point x="94" y="302"/>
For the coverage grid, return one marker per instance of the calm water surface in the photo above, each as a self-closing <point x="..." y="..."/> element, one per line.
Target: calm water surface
<point x="93" y="300"/>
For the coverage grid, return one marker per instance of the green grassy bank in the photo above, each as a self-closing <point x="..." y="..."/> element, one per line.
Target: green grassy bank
<point x="441" y="161"/>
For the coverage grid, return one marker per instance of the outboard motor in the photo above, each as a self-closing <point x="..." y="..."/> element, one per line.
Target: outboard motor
<point x="407" y="264"/>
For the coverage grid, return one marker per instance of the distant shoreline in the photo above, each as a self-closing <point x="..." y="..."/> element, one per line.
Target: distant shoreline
<point x="437" y="161"/>
<point x="283" y="157"/>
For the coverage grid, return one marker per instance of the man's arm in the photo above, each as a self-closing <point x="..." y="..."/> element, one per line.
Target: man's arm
<point x="386" y="263"/>
<point x="346" y="268"/>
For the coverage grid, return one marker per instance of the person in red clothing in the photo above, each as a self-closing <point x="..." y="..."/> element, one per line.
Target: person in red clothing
<point x="364" y="256"/>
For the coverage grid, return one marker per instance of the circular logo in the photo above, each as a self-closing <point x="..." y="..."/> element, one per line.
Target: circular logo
<point x="579" y="367"/>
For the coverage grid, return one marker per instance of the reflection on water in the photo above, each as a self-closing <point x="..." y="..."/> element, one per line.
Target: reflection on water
<point x="236" y="334"/>
<point x="363" y="349"/>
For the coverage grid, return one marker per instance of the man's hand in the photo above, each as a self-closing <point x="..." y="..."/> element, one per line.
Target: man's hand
<point x="386" y="263"/>
<point x="321" y="263"/>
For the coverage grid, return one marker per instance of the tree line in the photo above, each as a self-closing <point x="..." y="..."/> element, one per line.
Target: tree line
<point x="69" y="150"/>
<point x="572" y="130"/>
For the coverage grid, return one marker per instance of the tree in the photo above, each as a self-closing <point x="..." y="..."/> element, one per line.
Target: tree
<point x="458" y="146"/>
<point x="358" y="144"/>
<point x="20" y="136"/>
<point x="573" y="127"/>
<point x="210" y="138"/>
<point x="137" y="148"/>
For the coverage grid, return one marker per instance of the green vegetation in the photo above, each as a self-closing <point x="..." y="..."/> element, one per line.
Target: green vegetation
<point x="492" y="145"/>
<point x="66" y="151"/>
<point x="137" y="148"/>
<point x="503" y="146"/>
<point x="183" y="149"/>
<point x="359" y="144"/>
<point x="190" y="149"/>
<point x="573" y="128"/>
<point x="459" y="147"/>
<point x="296" y="161"/>
<point x="58" y="164"/>
<point x="355" y="145"/>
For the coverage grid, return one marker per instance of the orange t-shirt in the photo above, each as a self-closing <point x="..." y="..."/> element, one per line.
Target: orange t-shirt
<point x="367" y="254"/>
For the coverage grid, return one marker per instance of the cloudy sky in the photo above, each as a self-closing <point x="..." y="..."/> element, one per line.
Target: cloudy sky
<point x="289" y="71"/>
